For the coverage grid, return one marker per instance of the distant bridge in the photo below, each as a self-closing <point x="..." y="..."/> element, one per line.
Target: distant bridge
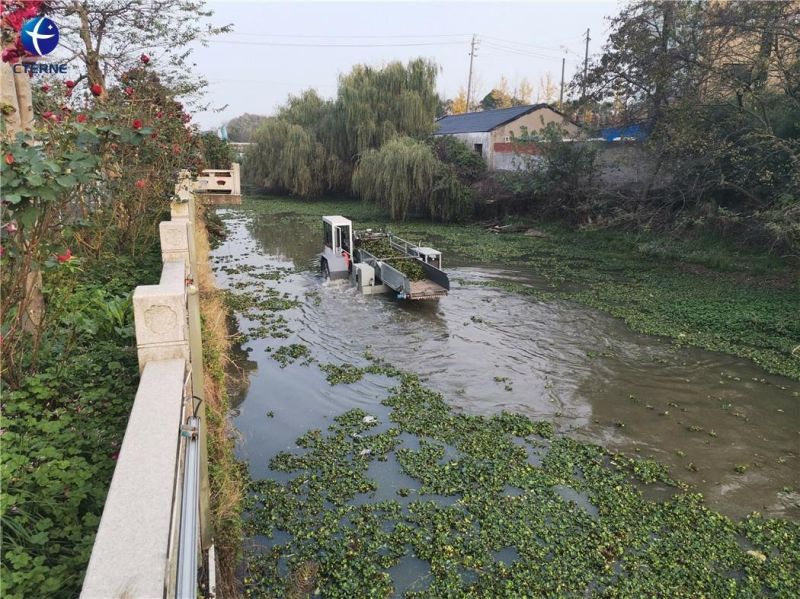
<point x="239" y="147"/>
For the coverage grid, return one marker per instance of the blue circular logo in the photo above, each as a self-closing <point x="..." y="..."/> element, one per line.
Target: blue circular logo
<point x="39" y="36"/>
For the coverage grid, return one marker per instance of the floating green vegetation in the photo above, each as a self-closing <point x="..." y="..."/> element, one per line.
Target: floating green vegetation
<point x="260" y="307"/>
<point x="698" y="292"/>
<point x="346" y="373"/>
<point x="500" y="507"/>
<point x="288" y="354"/>
<point x="263" y="273"/>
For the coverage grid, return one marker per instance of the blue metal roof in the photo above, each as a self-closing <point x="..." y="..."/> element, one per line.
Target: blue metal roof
<point x="486" y="120"/>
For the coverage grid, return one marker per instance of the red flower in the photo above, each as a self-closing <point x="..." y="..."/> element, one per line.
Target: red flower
<point x="128" y="91"/>
<point x="144" y="58"/>
<point x="45" y="88"/>
<point x="140" y="183"/>
<point x="68" y="93"/>
<point x="81" y="118"/>
<point x="137" y="124"/>
<point x="96" y="89"/>
<point x="154" y="135"/>
<point x="159" y="114"/>
<point x="69" y="83"/>
<point x="16" y="19"/>
<point x="9" y="159"/>
<point x="12" y="55"/>
<point x="47" y="114"/>
<point x="11" y="227"/>
<point x="65" y="257"/>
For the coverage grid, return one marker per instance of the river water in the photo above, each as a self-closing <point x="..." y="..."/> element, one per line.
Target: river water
<point x="719" y="422"/>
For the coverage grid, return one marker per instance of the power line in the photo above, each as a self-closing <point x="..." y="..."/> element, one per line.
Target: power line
<point x="509" y="50"/>
<point x="356" y="36"/>
<point x="300" y="45"/>
<point x="556" y="50"/>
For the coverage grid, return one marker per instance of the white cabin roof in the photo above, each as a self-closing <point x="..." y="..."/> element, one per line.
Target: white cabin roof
<point x="337" y="221"/>
<point x="426" y="251"/>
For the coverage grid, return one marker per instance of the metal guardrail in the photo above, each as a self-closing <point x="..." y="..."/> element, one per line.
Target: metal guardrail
<point x="186" y="587"/>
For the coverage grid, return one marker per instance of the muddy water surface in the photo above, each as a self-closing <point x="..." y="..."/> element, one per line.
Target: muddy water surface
<point x="719" y="422"/>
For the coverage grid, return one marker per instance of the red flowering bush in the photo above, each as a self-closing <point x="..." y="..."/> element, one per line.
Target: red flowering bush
<point x="85" y="157"/>
<point x="13" y="13"/>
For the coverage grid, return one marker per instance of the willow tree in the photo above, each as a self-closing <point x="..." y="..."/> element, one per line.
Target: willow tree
<point x="404" y="176"/>
<point x="288" y="157"/>
<point x="312" y="144"/>
<point x="376" y="105"/>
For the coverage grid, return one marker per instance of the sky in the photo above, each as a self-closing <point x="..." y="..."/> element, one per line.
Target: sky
<point x="283" y="48"/>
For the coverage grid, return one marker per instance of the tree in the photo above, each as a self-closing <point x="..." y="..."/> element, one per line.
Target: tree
<point x="459" y="103"/>
<point x="548" y="90"/>
<point x="242" y="127"/>
<point x="404" y="176"/>
<point x="106" y="36"/>
<point x="499" y="97"/>
<point x="523" y="94"/>
<point x="287" y="157"/>
<point x="718" y="84"/>
<point x="216" y="152"/>
<point x="312" y="144"/>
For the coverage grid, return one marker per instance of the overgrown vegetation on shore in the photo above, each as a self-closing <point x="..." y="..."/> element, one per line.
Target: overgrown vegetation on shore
<point x="64" y="423"/>
<point x="85" y="182"/>
<point x="700" y="291"/>
<point x="227" y="475"/>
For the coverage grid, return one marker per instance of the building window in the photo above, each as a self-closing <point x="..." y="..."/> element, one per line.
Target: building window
<point x="479" y="149"/>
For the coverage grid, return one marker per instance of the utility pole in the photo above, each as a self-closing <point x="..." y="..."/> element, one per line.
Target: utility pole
<point x="561" y="95"/>
<point x="471" y="58"/>
<point x="586" y="63"/>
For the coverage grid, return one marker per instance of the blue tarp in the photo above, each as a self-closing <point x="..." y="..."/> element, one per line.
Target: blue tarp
<point x="626" y="132"/>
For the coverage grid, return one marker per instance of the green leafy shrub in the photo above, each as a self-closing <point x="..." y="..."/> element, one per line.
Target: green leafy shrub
<point x="468" y="165"/>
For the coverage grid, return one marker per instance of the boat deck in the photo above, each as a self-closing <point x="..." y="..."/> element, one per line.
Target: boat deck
<point x="426" y="289"/>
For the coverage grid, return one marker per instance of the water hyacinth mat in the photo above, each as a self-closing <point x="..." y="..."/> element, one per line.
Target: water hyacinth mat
<point x="435" y="503"/>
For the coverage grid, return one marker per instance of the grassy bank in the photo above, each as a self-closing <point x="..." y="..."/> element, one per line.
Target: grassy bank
<point x="227" y="476"/>
<point x="699" y="292"/>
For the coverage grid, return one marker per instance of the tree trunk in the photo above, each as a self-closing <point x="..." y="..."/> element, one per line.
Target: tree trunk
<point x="92" y="57"/>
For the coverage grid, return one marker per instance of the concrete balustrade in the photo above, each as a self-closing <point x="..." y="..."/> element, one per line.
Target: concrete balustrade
<point x="129" y="558"/>
<point x="135" y="552"/>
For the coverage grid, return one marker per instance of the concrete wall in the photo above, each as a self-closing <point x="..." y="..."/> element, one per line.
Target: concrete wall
<point x="618" y="164"/>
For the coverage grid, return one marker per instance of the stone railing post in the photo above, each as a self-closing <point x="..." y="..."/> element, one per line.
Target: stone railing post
<point x="160" y="317"/>
<point x="237" y="182"/>
<point x="175" y="241"/>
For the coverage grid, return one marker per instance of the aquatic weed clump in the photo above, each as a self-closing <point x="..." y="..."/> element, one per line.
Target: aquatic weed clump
<point x="500" y="506"/>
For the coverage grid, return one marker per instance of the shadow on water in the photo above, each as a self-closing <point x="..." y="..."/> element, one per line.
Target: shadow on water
<point x="702" y="413"/>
